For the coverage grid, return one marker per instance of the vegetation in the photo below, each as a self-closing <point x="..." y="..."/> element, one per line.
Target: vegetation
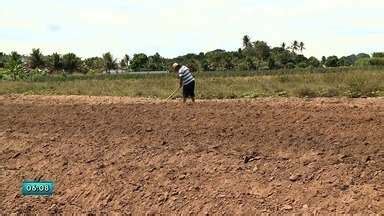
<point x="71" y="63"/>
<point x="256" y="69"/>
<point x="36" y="59"/>
<point x="110" y="63"/>
<point x="297" y="83"/>
<point x="253" y="56"/>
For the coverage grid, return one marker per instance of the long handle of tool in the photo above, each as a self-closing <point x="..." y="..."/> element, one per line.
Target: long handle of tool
<point x="173" y="93"/>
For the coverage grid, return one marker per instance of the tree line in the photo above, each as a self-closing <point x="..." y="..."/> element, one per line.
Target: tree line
<point x="253" y="55"/>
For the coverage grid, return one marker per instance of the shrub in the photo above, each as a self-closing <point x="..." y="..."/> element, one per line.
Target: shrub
<point x="36" y="59"/>
<point x="306" y="91"/>
<point x="363" y="55"/>
<point x="378" y="55"/>
<point x="71" y="62"/>
<point x="332" y="61"/>
<point x="16" y="71"/>
<point x="312" y="61"/>
<point x="302" y="65"/>
<point x="362" y="62"/>
<point x="360" y="86"/>
<point x="376" y="61"/>
<point x="290" y="65"/>
<point x="2" y="74"/>
<point x="36" y="74"/>
<point x="330" y="92"/>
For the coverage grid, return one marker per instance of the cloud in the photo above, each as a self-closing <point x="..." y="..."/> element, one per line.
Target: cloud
<point x="54" y="28"/>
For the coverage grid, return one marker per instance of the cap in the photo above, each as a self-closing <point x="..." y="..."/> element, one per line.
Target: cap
<point x="175" y="65"/>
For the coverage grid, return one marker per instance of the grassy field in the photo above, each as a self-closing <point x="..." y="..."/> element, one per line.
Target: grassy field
<point x="348" y="83"/>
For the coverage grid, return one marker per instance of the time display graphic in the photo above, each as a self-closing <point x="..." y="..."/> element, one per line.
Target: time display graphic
<point x="37" y="188"/>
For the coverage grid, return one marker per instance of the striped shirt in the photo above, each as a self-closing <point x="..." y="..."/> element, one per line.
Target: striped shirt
<point x="186" y="75"/>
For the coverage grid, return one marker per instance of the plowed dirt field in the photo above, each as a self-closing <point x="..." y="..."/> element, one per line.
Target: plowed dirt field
<point x="136" y="156"/>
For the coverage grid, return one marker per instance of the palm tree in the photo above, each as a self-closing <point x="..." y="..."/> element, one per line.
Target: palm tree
<point x="15" y="58"/>
<point x="247" y="41"/>
<point x="2" y="59"/>
<point x="122" y="64"/>
<point x="302" y="47"/>
<point x="295" y="46"/>
<point x="71" y="62"/>
<point x="109" y="62"/>
<point x="55" y="62"/>
<point x="36" y="59"/>
<point x="126" y="59"/>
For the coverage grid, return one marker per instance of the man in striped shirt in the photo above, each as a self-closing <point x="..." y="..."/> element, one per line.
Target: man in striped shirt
<point x="186" y="81"/>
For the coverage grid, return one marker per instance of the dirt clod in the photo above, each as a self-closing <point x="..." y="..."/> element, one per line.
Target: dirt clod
<point x="287" y="207"/>
<point x="294" y="177"/>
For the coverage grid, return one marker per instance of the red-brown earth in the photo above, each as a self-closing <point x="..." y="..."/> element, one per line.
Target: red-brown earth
<point x="136" y="156"/>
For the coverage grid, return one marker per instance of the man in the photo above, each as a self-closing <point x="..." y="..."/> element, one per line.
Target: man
<point x="186" y="81"/>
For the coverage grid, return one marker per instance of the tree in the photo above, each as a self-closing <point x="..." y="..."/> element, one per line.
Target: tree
<point x="14" y="66"/>
<point x="251" y="63"/>
<point x="71" y="62"/>
<point x="3" y="59"/>
<point x="156" y="62"/>
<point x="55" y="62"/>
<point x="15" y="58"/>
<point x="312" y="61"/>
<point x="220" y="60"/>
<point x="301" y="47"/>
<point x="94" y="63"/>
<point x="283" y="46"/>
<point x="122" y="64"/>
<point x="271" y="63"/>
<point x="378" y="55"/>
<point x="262" y="50"/>
<point x="281" y="57"/>
<point x="332" y="61"/>
<point x="363" y="55"/>
<point x="247" y="41"/>
<point x="36" y="59"/>
<point x="345" y="61"/>
<point x="126" y="59"/>
<point x="352" y="59"/>
<point x="297" y="59"/>
<point x="295" y="46"/>
<point x="323" y="60"/>
<point x="139" y="62"/>
<point x="109" y="62"/>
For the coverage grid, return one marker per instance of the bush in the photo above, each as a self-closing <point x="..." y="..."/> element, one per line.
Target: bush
<point x="242" y="66"/>
<point x="331" y="92"/>
<point x="363" y="55"/>
<point x="306" y="91"/>
<point x="332" y="61"/>
<point x="284" y="78"/>
<point x="360" y="86"/>
<point x="312" y="61"/>
<point x="71" y="62"/>
<point x="378" y="55"/>
<point x="2" y="74"/>
<point x="290" y="65"/>
<point x="362" y="62"/>
<point x="36" y="74"/>
<point x="17" y="71"/>
<point x="376" y="61"/>
<point x="302" y="65"/>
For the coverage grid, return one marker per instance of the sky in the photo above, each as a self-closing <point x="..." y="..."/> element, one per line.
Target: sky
<point x="177" y="27"/>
